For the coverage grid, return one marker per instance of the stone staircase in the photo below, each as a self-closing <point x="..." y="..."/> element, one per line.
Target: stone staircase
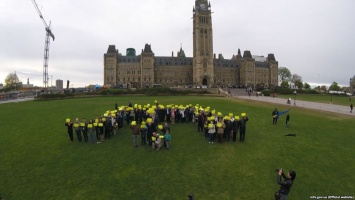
<point x="237" y="91"/>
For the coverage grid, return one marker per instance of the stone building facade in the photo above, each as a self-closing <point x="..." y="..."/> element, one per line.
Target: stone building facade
<point x="204" y="68"/>
<point x="352" y="85"/>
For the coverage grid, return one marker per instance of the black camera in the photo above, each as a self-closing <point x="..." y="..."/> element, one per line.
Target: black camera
<point x="191" y="196"/>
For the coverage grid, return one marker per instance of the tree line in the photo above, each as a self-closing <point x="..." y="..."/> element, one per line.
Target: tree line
<point x="288" y="79"/>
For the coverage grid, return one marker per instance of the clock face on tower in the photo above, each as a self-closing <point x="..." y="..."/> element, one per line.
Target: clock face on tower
<point x="202" y="6"/>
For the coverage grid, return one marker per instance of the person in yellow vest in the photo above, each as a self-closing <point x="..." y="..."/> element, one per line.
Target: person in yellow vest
<point x="91" y="129"/>
<point x="211" y="131"/>
<point x="96" y="122"/>
<point x="77" y="129"/>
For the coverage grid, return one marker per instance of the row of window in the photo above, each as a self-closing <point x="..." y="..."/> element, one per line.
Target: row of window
<point x="203" y="19"/>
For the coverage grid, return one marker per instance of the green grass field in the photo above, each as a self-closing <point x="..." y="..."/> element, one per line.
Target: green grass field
<point x="39" y="162"/>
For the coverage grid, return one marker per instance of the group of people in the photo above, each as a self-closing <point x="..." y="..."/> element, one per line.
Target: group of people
<point x="141" y="121"/>
<point x="150" y="135"/>
<point x="145" y="120"/>
<point x="223" y="128"/>
<point x="276" y="114"/>
<point x="95" y="130"/>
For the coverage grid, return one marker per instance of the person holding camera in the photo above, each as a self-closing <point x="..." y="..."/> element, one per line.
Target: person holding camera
<point x="285" y="185"/>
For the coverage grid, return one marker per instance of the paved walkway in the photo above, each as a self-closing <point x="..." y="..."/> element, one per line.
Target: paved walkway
<point x="299" y="103"/>
<point x="16" y="100"/>
<point x="303" y="104"/>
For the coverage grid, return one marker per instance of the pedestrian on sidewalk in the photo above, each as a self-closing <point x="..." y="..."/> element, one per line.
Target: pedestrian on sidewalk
<point x="351" y="108"/>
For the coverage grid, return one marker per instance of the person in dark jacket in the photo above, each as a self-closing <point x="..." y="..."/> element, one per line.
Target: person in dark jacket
<point x="200" y="122"/>
<point x="228" y="130"/>
<point x="101" y="126"/>
<point x="288" y="120"/>
<point x="243" y="127"/>
<point x="275" y="116"/>
<point x="351" y="108"/>
<point x="108" y="127"/>
<point x="151" y="128"/>
<point x="69" y="125"/>
<point x="135" y="133"/>
<point x="285" y="185"/>
<point x="84" y="129"/>
<point x="236" y="124"/>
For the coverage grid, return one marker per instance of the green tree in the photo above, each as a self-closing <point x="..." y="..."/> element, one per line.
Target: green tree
<point x="299" y="84"/>
<point x="346" y="89"/>
<point x="323" y="88"/>
<point x="334" y="86"/>
<point x="284" y="74"/>
<point x="306" y="86"/>
<point x="284" y="84"/>
<point x="11" y="80"/>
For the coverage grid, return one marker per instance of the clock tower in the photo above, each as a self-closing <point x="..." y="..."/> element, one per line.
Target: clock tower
<point x="203" y="73"/>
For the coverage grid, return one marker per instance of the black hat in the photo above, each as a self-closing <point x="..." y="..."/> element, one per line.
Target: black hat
<point x="292" y="174"/>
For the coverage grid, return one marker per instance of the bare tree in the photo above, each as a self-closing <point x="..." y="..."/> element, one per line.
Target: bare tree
<point x="11" y="80"/>
<point x="297" y="80"/>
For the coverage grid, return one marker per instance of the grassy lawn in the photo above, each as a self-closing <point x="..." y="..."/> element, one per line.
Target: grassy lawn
<point x="38" y="162"/>
<point x="322" y="98"/>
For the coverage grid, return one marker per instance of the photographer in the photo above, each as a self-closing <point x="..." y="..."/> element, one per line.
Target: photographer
<point x="285" y="185"/>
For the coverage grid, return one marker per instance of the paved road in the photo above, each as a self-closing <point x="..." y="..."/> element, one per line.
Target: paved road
<point x="16" y="100"/>
<point x="303" y="104"/>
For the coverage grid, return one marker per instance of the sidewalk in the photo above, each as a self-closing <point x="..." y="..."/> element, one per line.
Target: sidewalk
<point x="17" y="100"/>
<point x="303" y="104"/>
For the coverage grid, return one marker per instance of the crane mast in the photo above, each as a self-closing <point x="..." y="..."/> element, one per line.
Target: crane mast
<point x="46" y="45"/>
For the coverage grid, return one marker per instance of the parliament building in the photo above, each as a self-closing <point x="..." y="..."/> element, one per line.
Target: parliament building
<point x="204" y="68"/>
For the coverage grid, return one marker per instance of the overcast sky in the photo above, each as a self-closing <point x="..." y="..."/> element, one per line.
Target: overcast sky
<point x="314" y="39"/>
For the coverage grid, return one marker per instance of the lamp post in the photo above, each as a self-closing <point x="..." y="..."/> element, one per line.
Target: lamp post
<point x="294" y="103"/>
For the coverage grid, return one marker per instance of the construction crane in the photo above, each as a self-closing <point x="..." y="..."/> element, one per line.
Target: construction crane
<point x="46" y="45"/>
